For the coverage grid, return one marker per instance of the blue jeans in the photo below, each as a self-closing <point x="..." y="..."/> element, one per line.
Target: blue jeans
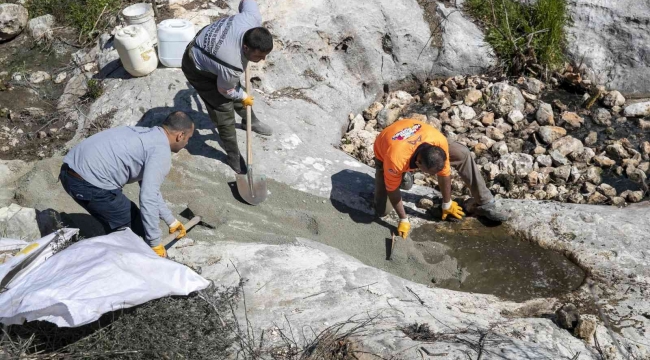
<point x="110" y="207"/>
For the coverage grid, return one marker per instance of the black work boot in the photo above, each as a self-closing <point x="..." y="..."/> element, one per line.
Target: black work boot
<point x="256" y="125"/>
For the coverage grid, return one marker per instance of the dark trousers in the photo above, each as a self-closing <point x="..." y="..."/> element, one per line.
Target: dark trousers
<point x="459" y="158"/>
<point x="110" y="207"/>
<point x="220" y="109"/>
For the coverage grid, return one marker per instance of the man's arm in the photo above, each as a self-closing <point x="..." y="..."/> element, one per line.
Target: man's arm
<point x="228" y="84"/>
<point x="395" y="198"/>
<point x="445" y="188"/>
<point x="152" y="205"/>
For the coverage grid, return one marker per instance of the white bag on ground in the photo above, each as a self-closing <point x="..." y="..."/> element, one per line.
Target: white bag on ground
<point x="92" y="277"/>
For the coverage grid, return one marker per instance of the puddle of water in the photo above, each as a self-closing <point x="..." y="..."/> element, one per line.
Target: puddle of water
<point x="493" y="261"/>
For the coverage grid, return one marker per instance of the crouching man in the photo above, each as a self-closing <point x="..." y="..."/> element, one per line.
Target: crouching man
<point x="409" y="145"/>
<point x="95" y="171"/>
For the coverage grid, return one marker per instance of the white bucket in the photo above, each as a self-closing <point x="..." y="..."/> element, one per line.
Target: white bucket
<point x="141" y="14"/>
<point x="173" y="37"/>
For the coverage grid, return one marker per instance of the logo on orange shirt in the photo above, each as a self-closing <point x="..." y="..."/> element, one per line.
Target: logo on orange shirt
<point x="407" y="133"/>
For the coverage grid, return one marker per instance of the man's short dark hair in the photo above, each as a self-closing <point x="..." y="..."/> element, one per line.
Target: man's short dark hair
<point x="259" y="39"/>
<point x="178" y="121"/>
<point x="433" y="158"/>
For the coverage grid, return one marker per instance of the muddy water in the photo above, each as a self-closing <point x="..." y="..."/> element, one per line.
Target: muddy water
<point x="490" y="260"/>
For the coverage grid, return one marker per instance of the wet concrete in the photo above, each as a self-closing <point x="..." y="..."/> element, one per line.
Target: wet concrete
<point x="491" y="260"/>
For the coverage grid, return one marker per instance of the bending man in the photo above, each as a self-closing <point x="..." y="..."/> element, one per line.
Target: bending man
<point x="213" y="63"/>
<point x="409" y="145"/>
<point x="95" y="171"/>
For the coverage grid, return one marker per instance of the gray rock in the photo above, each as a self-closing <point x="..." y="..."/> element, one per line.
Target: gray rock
<point x="516" y="164"/>
<point x="515" y="116"/>
<point x="558" y="158"/>
<point x="596" y="198"/>
<point x="357" y="123"/>
<point x="567" y="317"/>
<point x="613" y="98"/>
<point x="544" y="114"/>
<point x="617" y="150"/>
<point x="505" y="98"/>
<point x="583" y="156"/>
<point x="19" y="223"/>
<point x="588" y="188"/>
<point x="38" y="77"/>
<point x="40" y="28"/>
<point x="371" y="112"/>
<point x="575" y="175"/>
<point x="617" y="56"/>
<point x="602" y="117"/>
<point x="60" y="77"/>
<point x="562" y="173"/>
<point x="425" y="203"/>
<point x="593" y="175"/>
<point x="549" y="134"/>
<point x="644" y="124"/>
<point x="603" y="161"/>
<point x="500" y="148"/>
<point x="618" y="201"/>
<point x="533" y="86"/>
<point x="572" y="119"/>
<point x="107" y="58"/>
<point x="551" y="191"/>
<point x="494" y="133"/>
<point x="633" y="196"/>
<point x="576" y="198"/>
<point x="567" y="145"/>
<point x="591" y="139"/>
<point x="466" y="112"/>
<point x="544" y="160"/>
<point x="607" y="189"/>
<point x="637" y="110"/>
<point x="472" y="97"/>
<point x="13" y="19"/>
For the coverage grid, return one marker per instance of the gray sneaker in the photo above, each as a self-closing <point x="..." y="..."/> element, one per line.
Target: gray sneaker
<point x="491" y="212"/>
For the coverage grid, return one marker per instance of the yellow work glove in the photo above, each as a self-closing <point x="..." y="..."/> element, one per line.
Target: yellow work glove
<point x="248" y="101"/>
<point x="160" y="250"/>
<point x="452" y="208"/>
<point x="403" y="228"/>
<point x="176" y="226"/>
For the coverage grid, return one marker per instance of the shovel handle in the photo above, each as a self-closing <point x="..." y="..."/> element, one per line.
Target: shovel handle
<point x="249" y="111"/>
<point x="190" y="224"/>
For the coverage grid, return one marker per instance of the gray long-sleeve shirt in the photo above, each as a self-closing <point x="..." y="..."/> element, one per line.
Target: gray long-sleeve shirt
<point x="123" y="155"/>
<point x="224" y="40"/>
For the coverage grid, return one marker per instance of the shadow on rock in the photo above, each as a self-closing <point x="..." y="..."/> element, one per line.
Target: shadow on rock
<point x="204" y="129"/>
<point x="50" y="220"/>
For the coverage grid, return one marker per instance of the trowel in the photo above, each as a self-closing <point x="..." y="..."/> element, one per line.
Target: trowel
<point x="251" y="187"/>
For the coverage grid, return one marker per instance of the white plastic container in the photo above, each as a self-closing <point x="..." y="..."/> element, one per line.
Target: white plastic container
<point x="136" y="51"/>
<point x="173" y="37"/>
<point x="141" y="14"/>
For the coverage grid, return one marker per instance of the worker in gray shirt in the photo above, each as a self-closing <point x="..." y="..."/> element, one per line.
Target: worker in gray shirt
<point x="95" y="171"/>
<point x="213" y="64"/>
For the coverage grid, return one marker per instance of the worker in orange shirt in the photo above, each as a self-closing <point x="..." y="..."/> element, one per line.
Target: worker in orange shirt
<point x="409" y="145"/>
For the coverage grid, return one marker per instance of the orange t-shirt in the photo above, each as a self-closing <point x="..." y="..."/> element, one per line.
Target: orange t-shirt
<point x="396" y="144"/>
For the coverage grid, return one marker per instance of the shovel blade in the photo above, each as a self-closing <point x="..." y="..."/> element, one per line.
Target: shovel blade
<point x="252" y="187"/>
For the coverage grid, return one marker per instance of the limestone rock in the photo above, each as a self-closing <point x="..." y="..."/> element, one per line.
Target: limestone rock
<point x="480" y="148"/>
<point x="472" y="97"/>
<point x="576" y="198"/>
<point x="644" y="124"/>
<point x="516" y="164"/>
<point x="593" y="175"/>
<point x="425" y="203"/>
<point x="567" y="317"/>
<point x="567" y="145"/>
<point x="588" y="188"/>
<point x="533" y="86"/>
<point x="488" y="119"/>
<point x="551" y="191"/>
<point x="13" y="19"/>
<point x="494" y="133"/>
<point x="396" y="102"/>
<point x="558" y="158"/>
<point x="515" y="116"/>
<point x="607" y="189"/>
<point x="637" y="110"/>
<point x="544" y="160"/>
<point x="544" y="114"/>
<point x="602" y="117"/>
<point x="562" y="173"/>
<point x="596" y="198"/>
<point x="40" y="28"/>
<point x="19" y="222"/>
<point x="632" y="196"/>
<point x="549" y="134"/>
<point x="39" y="76"/>
<point x="500" y="148"/>
<point x="371" y="112"/>
<point x="613" y="98"/>
<point x="618" y="201"/>
<point x="434" y="96"/>
<point x="617" y="150"/>
<point x="583" y="156"/>
<point x="357" y="123"/>
<point x="505" y="98"/>
<point x="60" y="77"/>
<point x="591" y="139"/>
<point x="574" y="120"/>
<point x="603" y="161"/>
<point x="466" y="112"/>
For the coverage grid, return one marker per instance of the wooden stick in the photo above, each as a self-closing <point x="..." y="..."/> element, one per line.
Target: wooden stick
<point x="249" y="110"/>
<point x="190" y="224"/>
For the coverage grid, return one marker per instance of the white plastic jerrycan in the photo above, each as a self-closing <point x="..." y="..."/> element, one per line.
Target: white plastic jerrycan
<point x="173" y="37"/>
<point x="136" y="50"/>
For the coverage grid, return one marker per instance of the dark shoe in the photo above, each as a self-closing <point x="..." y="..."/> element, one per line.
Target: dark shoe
<point x="407" y="181"/>
<point x="491" y="212"/>
<point x="259" y="128"/>
<point x="236" y="162"/>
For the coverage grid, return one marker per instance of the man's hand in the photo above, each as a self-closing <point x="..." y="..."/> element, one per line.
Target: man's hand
<point x="160" y="250"/>
<point x="452" y="209"/>
<point x="176" y="226"/>
<point x="404" y="228"/>
<point x="248" y="101"/>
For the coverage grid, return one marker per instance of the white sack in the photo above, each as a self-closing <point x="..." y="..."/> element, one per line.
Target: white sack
<point x="12" y="244"/>
<point x="92" y="277"/>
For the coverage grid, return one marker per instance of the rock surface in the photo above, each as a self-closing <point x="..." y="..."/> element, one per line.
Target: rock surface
<point x="13" y="19"/>
<point x="19" y="223"/>
<point x="40" y="28"/>
<point x="613" y="38"/>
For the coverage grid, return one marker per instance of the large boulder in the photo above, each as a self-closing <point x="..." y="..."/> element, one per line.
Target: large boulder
<point x="19" y="223"/>
<point x="506" y="98"/>
<point x="612" y="38"/>
<point x="13" y="19"/>
<point x="40" y="28"/>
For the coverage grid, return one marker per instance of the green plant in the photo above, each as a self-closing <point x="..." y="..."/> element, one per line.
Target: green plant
<point x="89" y="17"/>
<point x="95" y="89"/>
<point x="528" y="38"/>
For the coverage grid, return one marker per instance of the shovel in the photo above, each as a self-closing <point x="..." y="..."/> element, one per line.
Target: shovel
<point x="251" y="187"/>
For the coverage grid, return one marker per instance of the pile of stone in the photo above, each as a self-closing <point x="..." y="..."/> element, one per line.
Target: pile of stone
<point x="523" y="145"/>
